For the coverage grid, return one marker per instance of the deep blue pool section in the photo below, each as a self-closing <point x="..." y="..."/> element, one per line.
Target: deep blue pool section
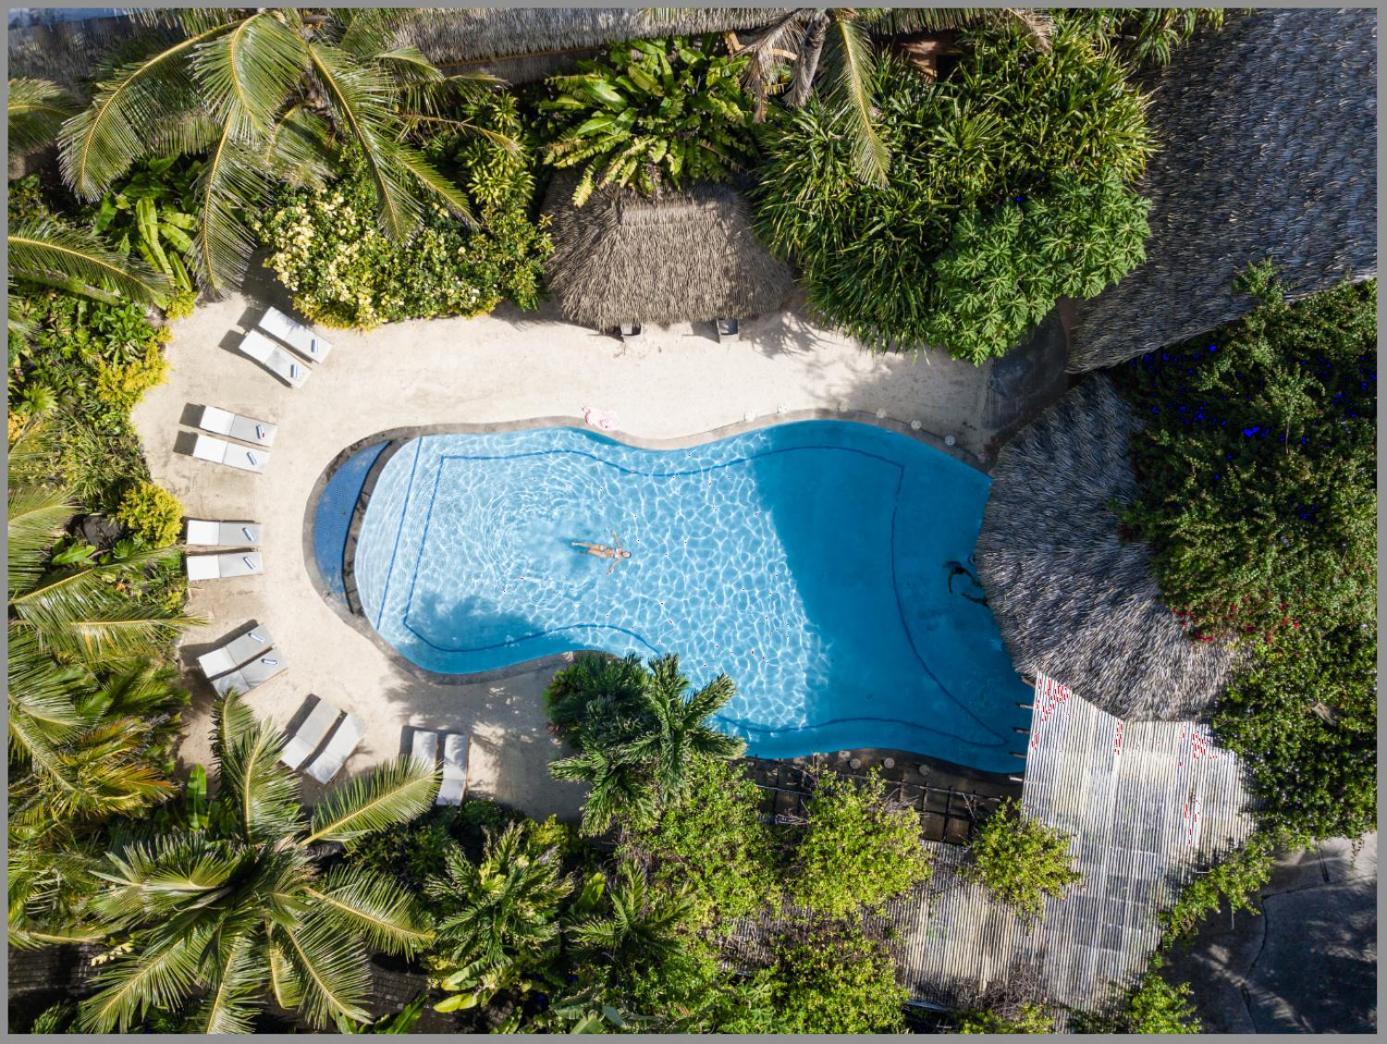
<point x="333" y="515"/>
<point x="823" y="565"/>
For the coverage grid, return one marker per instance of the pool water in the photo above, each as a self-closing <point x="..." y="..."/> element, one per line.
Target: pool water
<point x="823" y="565"/>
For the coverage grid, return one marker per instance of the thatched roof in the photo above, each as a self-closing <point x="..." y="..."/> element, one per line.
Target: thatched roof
<point x="1072" y="599"/>
<point x="1269" y="150"/>
<point x="686" y="257"/>
<point x="522" y="43"/>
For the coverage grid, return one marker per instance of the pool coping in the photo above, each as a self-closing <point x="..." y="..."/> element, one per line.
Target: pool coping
<point x="395" y="438"/>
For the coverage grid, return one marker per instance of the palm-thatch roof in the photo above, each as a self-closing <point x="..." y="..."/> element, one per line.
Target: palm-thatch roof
<point x="1269" y="150"/>
<point x="522" y="44"/>
<point x="1072" y="599"/>
<point x="684" y="257"/>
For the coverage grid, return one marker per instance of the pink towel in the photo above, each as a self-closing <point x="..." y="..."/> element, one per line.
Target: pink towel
<point x="603" y="419"/>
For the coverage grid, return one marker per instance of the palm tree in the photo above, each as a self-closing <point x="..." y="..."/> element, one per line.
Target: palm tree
<point x="678" y="730"/>
<point x="50" y="252"/>
<point x="37" y="108"/>
<point x="640" y="930"/>
<point x="618" y="787"/>
<point x="270" y="93"/>
<point x="841" y="40"/>
<point x="213" y="917"/>
<point x="498" y="916"/>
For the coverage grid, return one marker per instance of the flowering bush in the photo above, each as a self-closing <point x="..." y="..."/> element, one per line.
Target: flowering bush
<point x="328" y="250"/>
<point x="151" y="515"/>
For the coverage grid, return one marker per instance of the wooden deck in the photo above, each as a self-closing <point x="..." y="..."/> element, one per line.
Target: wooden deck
<point x="1147" y="803"/>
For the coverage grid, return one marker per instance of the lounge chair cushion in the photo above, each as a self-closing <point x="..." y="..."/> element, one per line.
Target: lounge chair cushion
<point x="274" y="358"/>
<point x="327" y="764"/>
<point x="305" y="741"/>
<point x="454" y="785"/>
<point x="251" y="675"/>
<point x="235" y="652"/>
<point x="302" y="339"/>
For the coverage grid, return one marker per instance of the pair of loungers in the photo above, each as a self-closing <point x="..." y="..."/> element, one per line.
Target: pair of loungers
<point x="244" y="663"/>
<point x="302" y="339"/>
<point x="424" y="747"/>
<point x="309" y="735"/>
<point x="206" y="533"/>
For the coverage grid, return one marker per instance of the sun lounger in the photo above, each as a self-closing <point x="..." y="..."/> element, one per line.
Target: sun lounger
<point x="273" y="358"/>
<point x="454" y="770"/>
<point x="234" y="653"/>
<point x="223" y="422"/>
<point x="424" y="747"/>
<point x="327" y="764"/>
<point x="297" y="336"/>
<point x="204" y="533"/>
<point x="251" y="675"/>
<point x="219" y="451"/>
<point x="224" y="566"/>
<point x="314" y="729"/>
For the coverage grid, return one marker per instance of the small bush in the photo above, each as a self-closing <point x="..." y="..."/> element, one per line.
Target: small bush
<point x="1152" y="1006"/>
<point x="151" y="515"/>
<point x="122" y="385"/>
<point x="857" y="849"/>
<point x="1025" y="1018"/>
<point x="1020" y="861"/>
<point x="649" y="113"/>
<point x="832" y="982"/>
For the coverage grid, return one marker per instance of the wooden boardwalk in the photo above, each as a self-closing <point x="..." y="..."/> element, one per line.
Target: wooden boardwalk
<point x="1148" y="803"/>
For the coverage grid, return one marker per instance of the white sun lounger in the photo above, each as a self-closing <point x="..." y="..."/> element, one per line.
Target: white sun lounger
<point x="251" y="675"/>
<point x="314" y="729"/>
<point x="235" y="652"/>
<point x="273" y="358"/>
<point x="223" y="422"/>
<point x="297" y="336"/>
<point x="424" y="747"/>
<point x="454" y="770"/>
<point x="224" y="566"/>
<point x="205" y="533"/>
<point x="219" y="451"/>
<point x="327" y="764"/>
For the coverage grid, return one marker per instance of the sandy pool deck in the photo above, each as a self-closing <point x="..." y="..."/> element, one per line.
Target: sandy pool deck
<point x="507" y="367"/>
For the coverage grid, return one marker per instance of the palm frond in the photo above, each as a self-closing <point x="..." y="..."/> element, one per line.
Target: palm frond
<point x="329" y="971"/>
<point x="151" y="979"/>
<point x="237" y="975"/>
<point x="44" y="250"/>
<point x="375" y="906"/>
<point x="37" y="109"/>
<point x="299" y="150"/>
<point x="853" y="66"/>
<point x="232" y="182"/>
<point x="259" y="790"/>
<point x="389" y="795"/>
<point x="432" y="181"/>
<point x="248" y="73"/>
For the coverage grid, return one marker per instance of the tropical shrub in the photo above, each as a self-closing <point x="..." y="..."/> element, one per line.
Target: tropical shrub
<point x="647" y="114"/>
<point x="1258" y="464"/>
<point x="1019" y="860"/>
<point x="1143" y="37"/>
<point x="637" y="732"/>
<point x="1017" y="158"/>
<point x="415" y="851"/>
<point x="1303" y="716"/>
<point x="711" y="841"/>
<point x="1235" y="880"/>
<point x="1024" y="1018"/>
<point x="327" y="249"/>
<point x="1152" y="1006"/>
<point x="837" y="982"/>
<point x="857" y="850"/>
<point x="152" y="515"/>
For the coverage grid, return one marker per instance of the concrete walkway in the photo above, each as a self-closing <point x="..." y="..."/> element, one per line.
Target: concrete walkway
<point x="1307" y="964"/>
<point x="507" y="367"/>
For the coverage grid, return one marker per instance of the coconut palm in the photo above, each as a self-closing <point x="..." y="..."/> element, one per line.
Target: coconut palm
<point x="216" y="917"/>
<point x="496" y="916"/>
<point x="836" y="47"/>
<point x="270" y="93"/>
<point x="640" y="929"/>
<point x="37" y="108"/>
<point x="45" y="250"/>
<point x="677" y="728"/>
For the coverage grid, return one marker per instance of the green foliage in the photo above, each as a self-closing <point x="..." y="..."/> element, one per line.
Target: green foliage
<point x="830" y="981"/>
<point x="327" y="249"/>
<point x="152" y="515"/>
<point x="712" y="842"/>
<point x="1025" y="1018"/>
<point x="858" y="850"/>
<point x="638" y="733"/>
<point x="650" y="112"/>
<point x="1143" y="37"/>
<point x="415" y="851"/>
<point x="1020" y="861"/>
<point x="1235" y="880"/>
<point x="1015" y="166"/>
<point x="1258" y="464"/>
<point x="1152" y="1006"/>
<point x="1303" y="716"/>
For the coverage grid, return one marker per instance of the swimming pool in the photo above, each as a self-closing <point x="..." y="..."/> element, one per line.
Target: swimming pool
<point x="823" y="565"/>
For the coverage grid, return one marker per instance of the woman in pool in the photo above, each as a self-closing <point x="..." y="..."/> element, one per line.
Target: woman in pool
<point x="616" y="554"/>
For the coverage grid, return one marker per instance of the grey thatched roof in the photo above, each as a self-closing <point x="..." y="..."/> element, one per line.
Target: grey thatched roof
<point x="1269" y="150"/>
<point x="687" y="256"/>
<point x="1072" y="599"/>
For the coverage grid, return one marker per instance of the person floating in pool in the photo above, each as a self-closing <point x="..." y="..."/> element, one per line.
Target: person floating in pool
<point x="614" y="551"/>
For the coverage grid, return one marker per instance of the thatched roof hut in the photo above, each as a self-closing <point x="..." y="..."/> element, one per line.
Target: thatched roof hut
<point x="1269" y="150"/>
<point x="1072" y="599"/>
<point x="685" y="257"/>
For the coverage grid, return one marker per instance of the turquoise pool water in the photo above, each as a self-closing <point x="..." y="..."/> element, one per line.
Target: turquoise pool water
<point x="822" y="564"/>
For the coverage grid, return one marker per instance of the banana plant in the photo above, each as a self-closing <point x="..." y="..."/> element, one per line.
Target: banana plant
<point x="152" y="215"/>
